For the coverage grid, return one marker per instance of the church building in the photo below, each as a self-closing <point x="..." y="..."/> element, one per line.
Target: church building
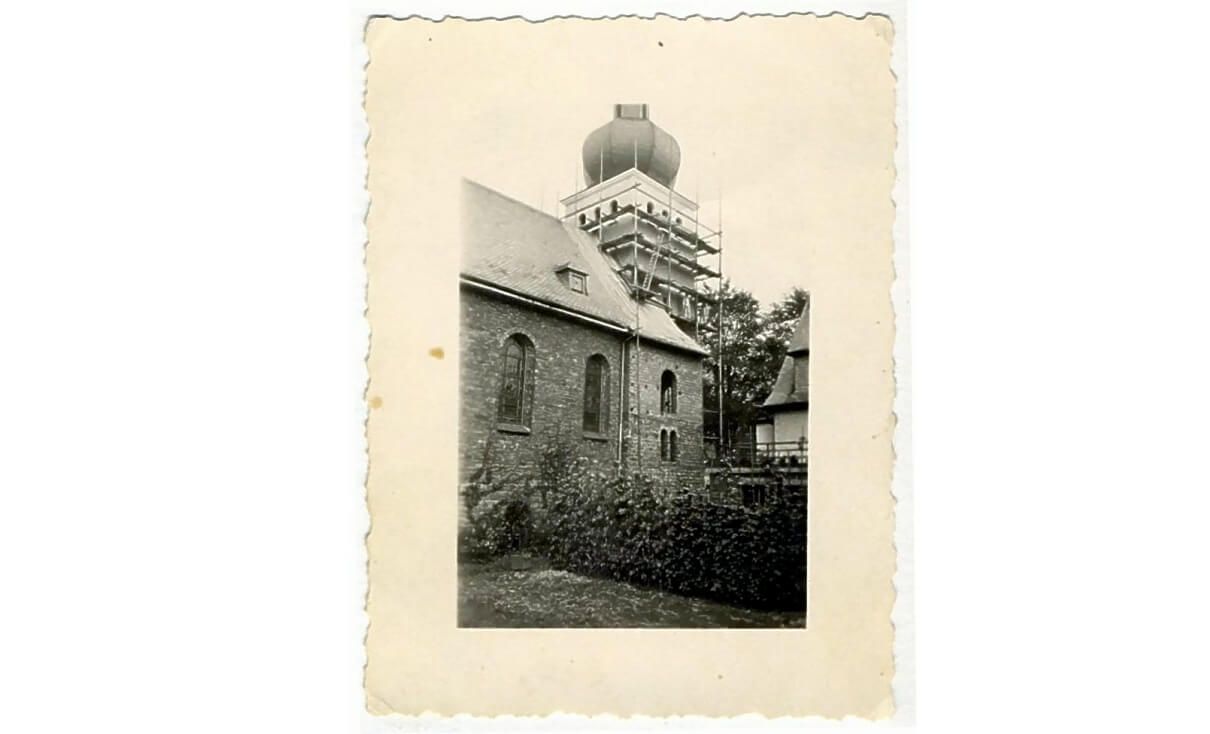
<point x="582" y="327"/>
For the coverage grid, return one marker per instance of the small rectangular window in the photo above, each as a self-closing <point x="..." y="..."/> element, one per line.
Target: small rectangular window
<point x="576" y="282"/>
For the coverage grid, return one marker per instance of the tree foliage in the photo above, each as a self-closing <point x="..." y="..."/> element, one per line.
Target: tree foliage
<point x="754" y="344"/>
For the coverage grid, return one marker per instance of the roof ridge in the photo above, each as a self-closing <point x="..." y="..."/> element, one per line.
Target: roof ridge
<point x="521" y="252"/>
<point x="514" y="200"/>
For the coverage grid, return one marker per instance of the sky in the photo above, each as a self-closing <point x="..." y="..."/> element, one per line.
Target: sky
<point x="541" y="166"/>
<point x="779" y="164"/>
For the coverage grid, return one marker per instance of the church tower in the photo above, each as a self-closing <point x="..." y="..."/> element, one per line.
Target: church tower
<point x="651" y="233"/>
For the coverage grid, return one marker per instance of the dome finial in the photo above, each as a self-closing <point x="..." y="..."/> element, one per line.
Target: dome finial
<point x="631" y="140"/>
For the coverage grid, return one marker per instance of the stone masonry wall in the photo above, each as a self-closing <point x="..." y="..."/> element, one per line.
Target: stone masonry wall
<point x="652" y="359"/>
<point x="562" y="348"/>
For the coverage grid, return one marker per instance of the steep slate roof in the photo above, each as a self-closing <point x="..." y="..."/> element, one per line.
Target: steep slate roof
<point x="786" y="391"/>
<point x="790" y="389"/>
<point x="800" y="343"/>
<point x="513" y="246"/>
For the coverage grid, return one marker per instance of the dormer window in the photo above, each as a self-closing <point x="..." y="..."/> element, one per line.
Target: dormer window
<point x="575" y="279"/>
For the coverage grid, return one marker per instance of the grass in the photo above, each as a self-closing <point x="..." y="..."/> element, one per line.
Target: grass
<point x="520" y="591"/>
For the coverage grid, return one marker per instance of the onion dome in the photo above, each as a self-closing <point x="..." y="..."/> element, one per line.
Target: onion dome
<point x="630" y="140"/>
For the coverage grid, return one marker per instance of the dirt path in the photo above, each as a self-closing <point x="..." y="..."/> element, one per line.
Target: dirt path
<point x="519" y="594"/>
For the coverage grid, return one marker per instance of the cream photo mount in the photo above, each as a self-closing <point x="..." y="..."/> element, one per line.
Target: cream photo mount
<point x="823" y="103"/>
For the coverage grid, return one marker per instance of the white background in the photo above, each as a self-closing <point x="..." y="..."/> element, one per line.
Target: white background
<point x="182" y="339"/>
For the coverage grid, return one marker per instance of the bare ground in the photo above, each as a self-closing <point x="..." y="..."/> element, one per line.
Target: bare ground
<point x="523" y="592"/>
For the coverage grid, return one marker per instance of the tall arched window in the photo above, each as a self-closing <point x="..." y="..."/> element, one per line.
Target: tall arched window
<point x="663" y="444"/>
<point x="672" y="450"/>
<point x="596" y="394"/>
<point x="668" y="392"/>
<point x="516" y="387"/>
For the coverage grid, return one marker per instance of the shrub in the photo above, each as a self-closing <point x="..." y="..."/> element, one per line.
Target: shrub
<point x="501" y="526"/>
<point x="628" y="530"/>
<point x="496" y="510"/>
<point x="633" y="529"/>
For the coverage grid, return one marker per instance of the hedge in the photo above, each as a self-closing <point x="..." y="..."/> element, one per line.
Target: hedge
<point x="635" y="530"/>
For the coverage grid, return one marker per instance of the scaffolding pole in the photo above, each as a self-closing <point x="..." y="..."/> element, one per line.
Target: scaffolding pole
<point x="697" y="304"/>
<point x="634" y="247"/>
<point x="659" y="248"/>
<point x="668" y="244"/>
<point x="720" y="323"/>
<point x="600" y="224"/>
<point x="638" y="397"/>
<point x="638" y="344"/>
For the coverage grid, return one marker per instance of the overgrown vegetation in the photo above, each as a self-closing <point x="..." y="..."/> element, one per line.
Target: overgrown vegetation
<point x="634" y="530"/>
<point x="753" y="346"/>
<point x="497" y="515"/>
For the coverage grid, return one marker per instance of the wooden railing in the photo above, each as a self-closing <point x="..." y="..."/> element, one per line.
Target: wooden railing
<point x="785" y="454"/>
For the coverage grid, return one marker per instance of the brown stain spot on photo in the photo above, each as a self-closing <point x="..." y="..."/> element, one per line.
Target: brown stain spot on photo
<point x="376" y="402"/>
<point x="437" y="353"/>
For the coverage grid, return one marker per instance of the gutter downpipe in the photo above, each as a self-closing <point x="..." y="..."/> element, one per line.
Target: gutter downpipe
<point x="638" y="391"/>
<point x="622" y="371"/>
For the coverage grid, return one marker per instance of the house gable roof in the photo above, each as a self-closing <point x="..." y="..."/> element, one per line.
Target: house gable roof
<point x="518" y="248"/>
<point x="787" y="393"/>
<point x="790" y="389"/>
<point x="800" y="342"/>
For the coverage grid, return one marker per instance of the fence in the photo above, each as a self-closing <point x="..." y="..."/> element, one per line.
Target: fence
<point x="758" y="454"/>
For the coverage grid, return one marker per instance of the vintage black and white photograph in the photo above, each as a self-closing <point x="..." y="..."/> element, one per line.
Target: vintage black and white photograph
<point x="631" y="364"/>
<point x="633" y="420"/>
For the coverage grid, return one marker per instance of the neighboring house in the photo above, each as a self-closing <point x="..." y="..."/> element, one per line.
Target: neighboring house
<point x="774" y="459"/>
<point x="783" y="427"/>
<point x="567" y="331"/>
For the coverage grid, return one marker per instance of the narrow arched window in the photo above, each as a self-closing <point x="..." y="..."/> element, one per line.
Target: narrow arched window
<point x="613" y="206"/>
<point x="668" y="392"/>
<point x="596" y="394"/>
<point x="672" y="450"/>
<point x="650" y="208"/>
<point x="663" y="444"/>
<point x="516" y="387"/>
